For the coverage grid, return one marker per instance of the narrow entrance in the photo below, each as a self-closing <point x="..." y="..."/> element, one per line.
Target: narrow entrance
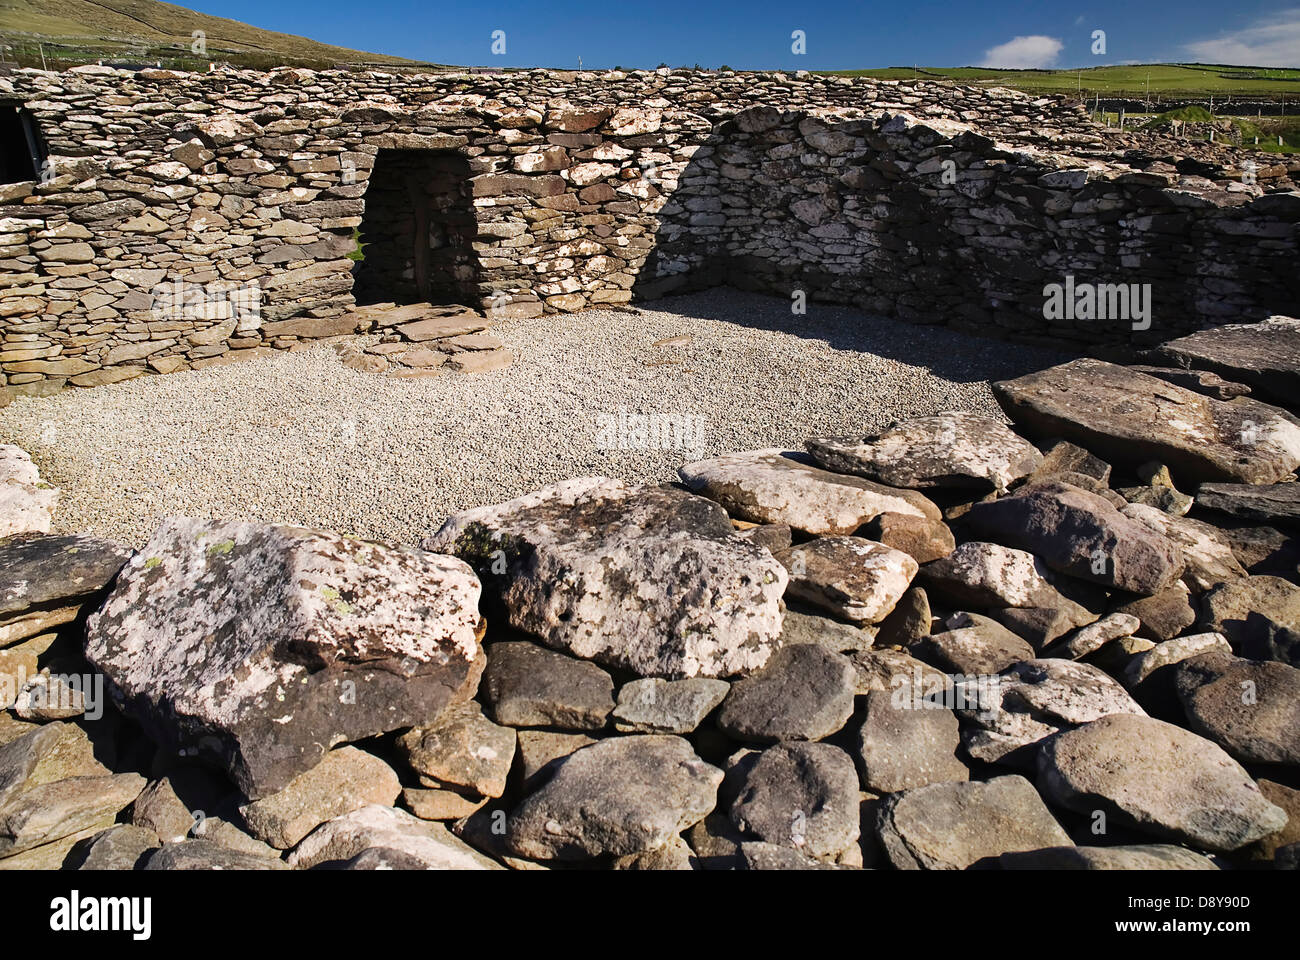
<point x="417" y="231"/>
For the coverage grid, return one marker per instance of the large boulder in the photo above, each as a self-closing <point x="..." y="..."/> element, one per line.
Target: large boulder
<point x="1129" y="417"/>
<point x="259" y="647"/>
<point x="1209" y="558"/>
<point x="781" y="486"/>
<point x="1083" y="535"/>
<point x="647" y="579"/>
<point x="951" y="449"/>
<point x="1157" y="778"/>
<point x="621" y="796"/>
<point x="1260" y="616"/>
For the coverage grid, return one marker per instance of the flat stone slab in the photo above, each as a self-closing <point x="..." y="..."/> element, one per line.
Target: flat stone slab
<point x="644" y="578"/>
<point x="50" y="811"/>
<point x="980" y="574"/>
<point x="782" y="486"/>
<point x="1141" y="856"/>
<point x="257" y="647"/>
<point x="949" y="826"/>
<point x="1129" y="417"/>
<point x="47" y="570"/>
<point x="972" y="644"/>
<point x="621" y="796"/>
<point x="1277" y="502"/>
<point x="1157" y="778"/>
<point x="952" y="449"/>
<point x="667" y="706"/>
<point x="1266" y="355"/>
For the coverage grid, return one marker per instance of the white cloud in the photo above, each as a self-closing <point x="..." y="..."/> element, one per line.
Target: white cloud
<point x="1023" y="53"/>
<point x="1271" y="42"/>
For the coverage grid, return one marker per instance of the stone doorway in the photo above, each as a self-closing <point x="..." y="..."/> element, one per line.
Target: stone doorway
<point x="418" y="230"/>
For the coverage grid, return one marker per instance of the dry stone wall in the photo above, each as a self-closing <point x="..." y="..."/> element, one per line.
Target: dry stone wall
<point x="195" y="219"/>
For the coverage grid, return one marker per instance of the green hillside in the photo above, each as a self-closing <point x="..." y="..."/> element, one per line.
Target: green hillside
<point x="68" y="32"/>
<point x="1191" y="80"/>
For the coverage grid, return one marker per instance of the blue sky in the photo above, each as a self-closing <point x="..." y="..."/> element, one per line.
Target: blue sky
<point x="750" y="34"/>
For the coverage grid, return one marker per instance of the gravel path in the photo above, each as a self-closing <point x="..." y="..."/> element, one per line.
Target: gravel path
<point x="300" y="438"/>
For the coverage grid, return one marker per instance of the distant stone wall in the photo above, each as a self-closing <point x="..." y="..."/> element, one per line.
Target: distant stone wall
<point x="196" y="219"/>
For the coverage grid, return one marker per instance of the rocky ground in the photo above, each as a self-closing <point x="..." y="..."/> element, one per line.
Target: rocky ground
<point x="300" y="437"/>
<point x="947" y="643"/>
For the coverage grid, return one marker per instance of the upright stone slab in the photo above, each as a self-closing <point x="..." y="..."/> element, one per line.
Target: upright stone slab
<point x="258" y="647"/>
<point x="1129" y="417"/>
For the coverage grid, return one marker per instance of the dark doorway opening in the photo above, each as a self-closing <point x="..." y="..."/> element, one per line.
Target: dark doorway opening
<point x="21" y="151"/>
<point x="418" y="230"/>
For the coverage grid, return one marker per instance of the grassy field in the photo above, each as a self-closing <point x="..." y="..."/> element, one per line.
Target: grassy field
<point x="67" y="32"/>
<point x="1165" y="80"/>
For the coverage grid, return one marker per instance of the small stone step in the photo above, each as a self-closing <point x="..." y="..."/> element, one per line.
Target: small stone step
<point x="480" y="361"/>
<point x="471" y="341"/>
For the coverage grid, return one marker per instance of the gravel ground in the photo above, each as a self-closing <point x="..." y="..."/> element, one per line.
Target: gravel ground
<point x="300" y="438"/>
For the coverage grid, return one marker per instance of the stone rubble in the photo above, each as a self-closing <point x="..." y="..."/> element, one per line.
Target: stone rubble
<point x="619" y="676"/>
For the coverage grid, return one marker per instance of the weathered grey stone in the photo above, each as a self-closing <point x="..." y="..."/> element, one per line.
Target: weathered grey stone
<point x="1272" y="503"/>
<point x="855" y="579"/>
<point x="49" y="811"/>
<point x="120" y="847"/>
<point x="1141" y="667"/>
<point x="972" y="644"/>
<point x="649" y="579"/>
<point x="908" y="621"/>
<point x="1152" y="856"/>
<point x="206" y="855"/>
<point x="980" y="574"/>
<point x="1126" y="416"/>
<point x="462" y="749"/>
<point x="1250" y="708"/>
<point x="799" y="627"/>
<point x="1164" y="615"/>
<point x="952" y="449"/>
<point x="1156" y="778"/>
<point x="1094" y="636"/>
<point x="1258" y="615"/>
<point x="622" y="796"/>
<point x="418" y="841"/>
<point x="1209" y="558"/>
<point x="1264" y="355"/>
<point x="804" y="693"/>
<point x="258" y="647"/>
<point x="667" y="706"/>
<point x="346" y="779"/>
<point x="1033" y="700"/>
<point x="950" y="826"/>
<point x="46" y="754"/>
<point x="525" y="685"/>
<point x="1082" y="535"/>
<point x="900" y="747"/>
<point x="781" y="486"/>
<point x="800" y="795"/>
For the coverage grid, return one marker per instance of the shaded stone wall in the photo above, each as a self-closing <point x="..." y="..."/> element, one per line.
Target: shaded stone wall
<point x="197" y="219"/>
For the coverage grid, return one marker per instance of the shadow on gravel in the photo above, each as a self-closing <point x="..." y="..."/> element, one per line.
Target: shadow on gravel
<point x="951" y="354"/>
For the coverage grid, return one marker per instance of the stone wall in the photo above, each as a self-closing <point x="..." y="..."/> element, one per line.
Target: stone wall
<point x="197" y="219"/>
